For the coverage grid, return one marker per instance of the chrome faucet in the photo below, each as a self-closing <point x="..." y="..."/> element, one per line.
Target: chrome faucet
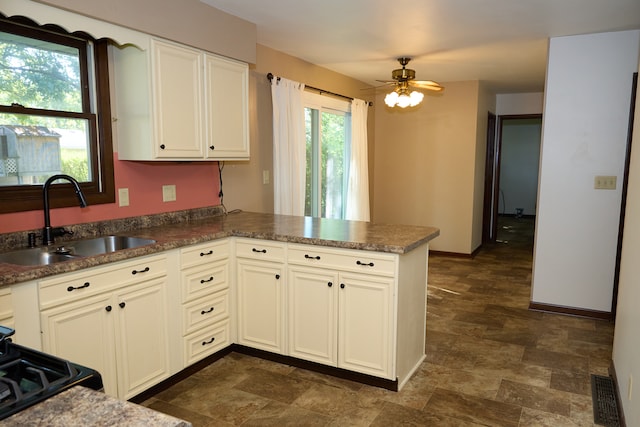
<point x="48" y="233"/>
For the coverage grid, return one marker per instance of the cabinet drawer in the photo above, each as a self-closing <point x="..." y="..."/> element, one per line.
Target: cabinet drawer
<point x="204" y="253"/>
<point x="204" y="280"/>
<point x="205" y="311"/>
<point x="77" y="285"/>
<point x="342" y="259"/>
<point x="206" y="342"/>
<point x="6" y="304"/>
<point x="260" y="249"/>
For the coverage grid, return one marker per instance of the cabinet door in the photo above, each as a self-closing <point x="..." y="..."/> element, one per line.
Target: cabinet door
<point x="82" y="332"/>
<point x="142" y="331"/>
<point x="261" y="293"/>
<point x="365" y="324"/>
<point x="313" y="305"/>
<point x="178" y="101"/>
<point x="227" y="108"/>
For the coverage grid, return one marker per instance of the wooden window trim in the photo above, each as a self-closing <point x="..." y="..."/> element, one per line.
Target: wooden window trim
<point x="102" y="189"/>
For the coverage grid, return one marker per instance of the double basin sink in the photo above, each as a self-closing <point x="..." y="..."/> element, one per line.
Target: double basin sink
<point x="66" y="251"/>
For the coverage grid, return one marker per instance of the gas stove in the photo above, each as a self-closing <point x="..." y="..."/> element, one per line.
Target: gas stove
<point x="29" y="376"/>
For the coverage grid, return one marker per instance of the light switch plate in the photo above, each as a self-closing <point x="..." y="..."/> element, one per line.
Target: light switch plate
<point x="123" y="196"/>
<point x="168" y="193"/>
<point x="602" y="182"/>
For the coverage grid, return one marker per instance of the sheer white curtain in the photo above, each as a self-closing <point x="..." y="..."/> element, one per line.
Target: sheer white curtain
<point x="289" y="154"/>
<point x="358" y="185"/>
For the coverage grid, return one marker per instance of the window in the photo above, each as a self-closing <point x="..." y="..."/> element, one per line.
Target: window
<point x="328" y="135"/>
<point x="54" y="116"/>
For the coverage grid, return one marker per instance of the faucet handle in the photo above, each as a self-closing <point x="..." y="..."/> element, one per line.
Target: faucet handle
<point x="31" y="240"/>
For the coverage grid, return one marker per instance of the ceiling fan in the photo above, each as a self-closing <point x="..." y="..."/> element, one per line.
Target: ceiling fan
<point x="403" y="80"/>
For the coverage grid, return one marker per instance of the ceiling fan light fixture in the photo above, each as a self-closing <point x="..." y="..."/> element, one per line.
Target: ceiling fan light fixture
<point x="391" y="99"/>
<point x="403" y="99"/>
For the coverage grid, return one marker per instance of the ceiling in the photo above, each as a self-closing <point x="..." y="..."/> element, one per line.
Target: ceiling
<point x="501" y="42"/>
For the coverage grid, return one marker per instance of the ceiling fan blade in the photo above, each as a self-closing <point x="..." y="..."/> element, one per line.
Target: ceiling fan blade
<point x="390" y="84"/>
<point x="387" y="81"/>
<point x="426" y="84"/>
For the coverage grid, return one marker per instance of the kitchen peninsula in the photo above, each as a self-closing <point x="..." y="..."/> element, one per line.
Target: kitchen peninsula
<point x="346" y="295"/>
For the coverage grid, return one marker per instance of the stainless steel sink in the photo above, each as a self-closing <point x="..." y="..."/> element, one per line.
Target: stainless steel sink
<point x="102" y="245"/>
<point x="35" y="256"/>
<point x="73" y="250"/>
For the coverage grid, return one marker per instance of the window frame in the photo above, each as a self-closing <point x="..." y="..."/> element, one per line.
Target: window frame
<point x="96" y="110"/>
<point x="330" y="105"/>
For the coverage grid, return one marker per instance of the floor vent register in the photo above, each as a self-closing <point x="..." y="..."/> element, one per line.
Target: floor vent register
<point x="605" y="407"/>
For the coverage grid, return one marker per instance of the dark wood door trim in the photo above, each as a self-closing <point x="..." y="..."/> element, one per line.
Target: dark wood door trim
<point x="623" y="203"/>
<point x="492" y="176"/>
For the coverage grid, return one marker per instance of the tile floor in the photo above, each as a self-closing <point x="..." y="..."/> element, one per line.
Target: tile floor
<point x="490" y="362"/>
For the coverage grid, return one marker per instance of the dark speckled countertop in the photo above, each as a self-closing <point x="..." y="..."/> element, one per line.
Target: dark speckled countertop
<point x="191" y="230"/>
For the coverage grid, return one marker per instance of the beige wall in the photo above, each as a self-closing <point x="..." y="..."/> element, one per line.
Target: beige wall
<point x="626" y="345"/>
<point x="242" y="181"/>
<point x="427" y="161"/>
<point x="187" y="21"/>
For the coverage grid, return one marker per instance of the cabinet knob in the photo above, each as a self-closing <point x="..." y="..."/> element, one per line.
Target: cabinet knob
<point x="162" y="146"/>
<point x="330" y="284"/>
<point x="277" y="276"/>
<point x="122" y="304"/>
<point x="108" y="308"/>
<point x="341" y="285"/>
<point x="211" y="147"/>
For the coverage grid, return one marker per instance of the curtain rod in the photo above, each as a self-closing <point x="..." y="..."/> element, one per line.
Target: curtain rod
<point x="270" y="76"/>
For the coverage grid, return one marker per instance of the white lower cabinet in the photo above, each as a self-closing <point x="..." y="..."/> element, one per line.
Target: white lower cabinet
<point x="6" y="308"/>
<point x="112" y="319"/>
<point x="341" y="319"/>
<point x="313" y="314"/>
<point x="261" y="288"/>
<point x="366" y="324"/>
<point x="205" y="300"/>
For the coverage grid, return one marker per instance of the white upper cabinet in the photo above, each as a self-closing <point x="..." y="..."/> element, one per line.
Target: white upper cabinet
<point x="227" y="119"/>
<point x="177" y="82"/>
<point x="174" y="102"/>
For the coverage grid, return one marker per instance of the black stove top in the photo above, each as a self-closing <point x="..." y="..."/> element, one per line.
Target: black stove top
<point x="29" y="376"/>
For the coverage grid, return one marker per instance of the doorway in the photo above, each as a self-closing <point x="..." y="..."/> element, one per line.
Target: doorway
<point x="511" y="178"/>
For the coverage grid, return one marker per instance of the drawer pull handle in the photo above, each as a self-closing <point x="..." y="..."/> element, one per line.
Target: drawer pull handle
<point x="312" y="257"/>
<point x="206" y="253"/>
<point x="341" y="285"/>
<point x="330" y="284"/>
<point x="262" y="251"/>
<point x="73" y="288"/>
<point x="140" y="271"/>
<point x="370" y="264"/>
<point x="122" y="304"/>
<point x="209" y="342"/>
<point x="206" y="280"/>
<point x="207" y="311"/>
<point x="108" y="308"/>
